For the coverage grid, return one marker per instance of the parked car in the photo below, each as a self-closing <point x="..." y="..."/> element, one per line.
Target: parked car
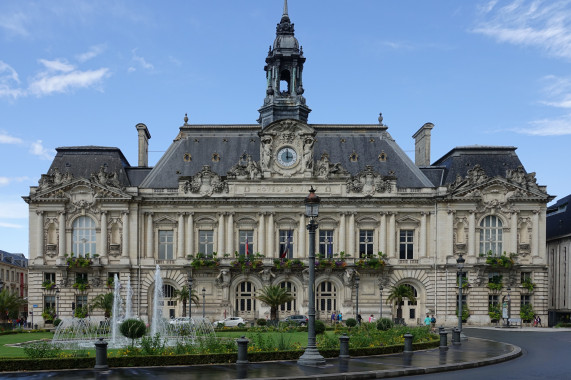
<point x="231" y="322"/>
<point x="181" y="321"/>
<point x="300" y="320"/>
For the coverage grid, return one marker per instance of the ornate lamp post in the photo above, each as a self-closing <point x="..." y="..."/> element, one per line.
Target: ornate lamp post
<point x="311" y="356"/>
<point x="189" y="297"/>
<point x="460" y="261"/>
<point x="203" y="301"/>
<point x="381" y="291"/>
<point x="357" y="279"/>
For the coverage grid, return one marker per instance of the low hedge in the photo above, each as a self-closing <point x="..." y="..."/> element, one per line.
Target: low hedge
<point x="16" y="364"/>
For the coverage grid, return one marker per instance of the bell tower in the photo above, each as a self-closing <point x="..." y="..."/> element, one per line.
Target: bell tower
<point x="284" y="68"/>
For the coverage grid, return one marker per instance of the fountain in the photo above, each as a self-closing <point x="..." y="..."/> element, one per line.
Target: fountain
<point x="80" y="333"/>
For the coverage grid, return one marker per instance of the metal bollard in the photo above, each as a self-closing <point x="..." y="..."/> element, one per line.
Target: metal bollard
<point x="440" y="329"/>
<point x="408" y="342"/>
<point x="242" y="350"/>
<point x="344" y="346"/>
<point x="101" y="355"/>
<point x="456" y="336"/>
<point x="443" y="339"/>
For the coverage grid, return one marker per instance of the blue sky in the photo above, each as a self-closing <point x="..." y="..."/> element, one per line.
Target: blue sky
<point x="86" y="72"/>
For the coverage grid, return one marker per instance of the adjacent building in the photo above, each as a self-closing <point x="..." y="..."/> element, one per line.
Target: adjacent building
<point x="224" y="206"/>
<point x="14" y="276"/>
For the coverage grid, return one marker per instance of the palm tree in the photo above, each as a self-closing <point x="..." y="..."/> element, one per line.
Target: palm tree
<point x="105" y="303"/>
<point x="398" y="293"/>
<point x="9" y="304"/>
<point x="274" y="296"/>
<point x="182" y="295"/>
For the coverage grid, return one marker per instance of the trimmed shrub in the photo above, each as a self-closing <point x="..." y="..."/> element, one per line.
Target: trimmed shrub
<point x="261" y="322"/>
<point x="57" y="321"/>
<point x="384" y="324"/>
<point x="351" y="322"/>
<point x="319" y="327"/>
<point x="133" y="329"/>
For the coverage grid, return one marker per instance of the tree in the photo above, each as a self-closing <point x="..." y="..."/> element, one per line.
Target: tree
<point x="397" y="294"/>
<point x="105" y="303"/>
<point x="274" y="296"/>
<point x="182" y="295"/>
<point x="133" y="329"/>
<point x="9" y="304"/>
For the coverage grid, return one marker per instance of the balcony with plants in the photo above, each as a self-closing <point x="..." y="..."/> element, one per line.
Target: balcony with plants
<point x="247" y="262"/>
<point x="48" y="285"/>
<point x="338" y="261"/>
<point x="203" y="261"/>
<point x="528" y="285"/>
<point x="495" y="283"/>
<point x="81" y="284"/>
<point x="80" y="262"/>
<point x="288" y="264"/>
<point x="372" y="262"/>
<point x="503" y="261"/>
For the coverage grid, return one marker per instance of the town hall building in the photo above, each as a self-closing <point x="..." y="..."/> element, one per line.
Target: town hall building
<point x="224" y="206"/>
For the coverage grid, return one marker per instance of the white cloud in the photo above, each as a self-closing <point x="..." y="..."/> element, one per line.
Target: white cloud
<point x="540" y="24"/>
<point x="557" y="91"/>
<point x="15" y="23"/>
<point x="141" y="61"/>
<point x="4" y="181"/>
<point x="7" y="139"/>
<point x="93" y="52"/>
<point x="46" y="84"/>
<point x="9" y="81"/>
<point x="57" y="65"/>
<point x="10" y="225"/>
<point x="548" y="127"/>
<point x="39" y="150"/>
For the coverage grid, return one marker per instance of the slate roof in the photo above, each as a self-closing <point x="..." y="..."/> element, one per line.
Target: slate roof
<point x="559" y="219"/>
<point x="17" y="259"/>
<point x="82" y="161"/>
<point x="495" y="160"/>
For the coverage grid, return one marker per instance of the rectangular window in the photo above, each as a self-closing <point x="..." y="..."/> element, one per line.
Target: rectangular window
<point x="49" y="276"/>
<point x="495" y="278"/>
<point x="525" y="300"/>
<point x="493" y="300"/>
<point x="206" y="242"/>
<point x="81" y="278"/>
<point x="365" y="243"/>
<point x="49" y="302"/>
<point x="406" y="244"/>
<point x="286" y="244"/>
<point x="525" y="277"/>
<point x="80" y="300"/>
<point x="166" y="244"/>
<point x="246" y="241"/>
<point x="326" y="243"/>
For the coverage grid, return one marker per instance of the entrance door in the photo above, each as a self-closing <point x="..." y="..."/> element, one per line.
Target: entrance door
<point x="411" y="311"/>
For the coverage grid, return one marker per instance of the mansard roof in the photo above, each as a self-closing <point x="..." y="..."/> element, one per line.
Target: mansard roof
<point x="17" y="259"/>
<point x="494" y="160"/>
<point x="83" y="161"/>
<point x="559" y="219"/>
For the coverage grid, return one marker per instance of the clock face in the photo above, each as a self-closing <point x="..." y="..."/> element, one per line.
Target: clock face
<point x="287" y="157"/>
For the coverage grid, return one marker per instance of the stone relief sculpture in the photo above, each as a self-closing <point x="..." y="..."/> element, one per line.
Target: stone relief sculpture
<point x="246" y="168"/>
<point x="102" y="177"/>
<point x="205" y="183"/>
<point x="266" y="152"/>
<point x="308" y="152"/>
<point x="53" y="179"/>
<point x="327" y="169"/>
<point x="368" y="182"/>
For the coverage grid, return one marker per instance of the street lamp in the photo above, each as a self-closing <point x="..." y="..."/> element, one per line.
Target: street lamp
<point x="311" y="356"/>
<point x="381" y="291"/>
<point x="460" y="261"/>
<point x="189" y="298"/>
<point x="357" y="279"/>
<point x="203" y="301"/>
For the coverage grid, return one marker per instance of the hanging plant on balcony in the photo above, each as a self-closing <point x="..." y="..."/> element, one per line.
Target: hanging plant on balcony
<point x="502" y="261"/>
<point x="494" y="312"/>
<point x="48" y="285"/>
<point x="203" y="261"/>
<point x="78" y="262"/>
<point x="372" y="262"/>
<point x="288" y="264"/>
<point x="247" y="261"/>
<point x="465" y="283"/>
<point x="80" y="285"/>
<point x="335" y="262"/>
<point x="495" y="283"/>
<point x="110" y="283"/>
<point x="528" y="284"/>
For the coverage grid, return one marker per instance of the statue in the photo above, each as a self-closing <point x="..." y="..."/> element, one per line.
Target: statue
<point x="266" y="152"/>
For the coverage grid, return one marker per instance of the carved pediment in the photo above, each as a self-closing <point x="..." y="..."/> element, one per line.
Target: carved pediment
<point x="368" y="182"/>
<point x="80" y="192"/>
<point x="205" y="182"/>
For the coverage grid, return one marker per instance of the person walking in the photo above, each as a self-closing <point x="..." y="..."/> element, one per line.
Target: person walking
<point x="427" y="320"/>
<point x="371" y="319"/>
<point x="332" y="317"/>
<point x="359" y="318"/>
<point x="340" y="317"/>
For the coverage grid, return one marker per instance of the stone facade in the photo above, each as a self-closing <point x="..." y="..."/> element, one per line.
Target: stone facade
<point x="14" y="276"/>
<point x="224" y="205"/>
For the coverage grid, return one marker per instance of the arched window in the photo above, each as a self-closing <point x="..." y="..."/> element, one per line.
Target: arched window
<point x="291" y="305"/>
<point x="491" y="235"/>
<point x="245" y="300"/>
<point x="326" y="297"/>
<point x="83" y="236"/>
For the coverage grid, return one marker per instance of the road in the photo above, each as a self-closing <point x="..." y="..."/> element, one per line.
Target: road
<point x="546" y="355"/>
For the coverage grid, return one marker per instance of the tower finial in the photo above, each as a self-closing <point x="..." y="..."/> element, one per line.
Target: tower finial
<point x="285" y="8"/>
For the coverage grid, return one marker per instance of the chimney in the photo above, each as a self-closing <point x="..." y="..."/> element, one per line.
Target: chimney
<point x="144" y="137"/>
<point x="422" y="145"/>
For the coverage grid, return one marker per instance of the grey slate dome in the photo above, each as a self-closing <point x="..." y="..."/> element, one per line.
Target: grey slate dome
<point x="286" y="42"/>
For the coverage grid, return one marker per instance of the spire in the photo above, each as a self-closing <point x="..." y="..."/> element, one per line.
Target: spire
<point x="285" y="15"/>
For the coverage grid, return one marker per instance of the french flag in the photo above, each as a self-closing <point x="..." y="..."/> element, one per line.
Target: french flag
<point x="247" y="247"/>
<point x="285" y="250"/>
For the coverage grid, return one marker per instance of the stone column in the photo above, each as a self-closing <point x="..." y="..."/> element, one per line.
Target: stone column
<point x="61" y="242"/>
<point x="261" y="234"/>
<point x="40" y="234"/>
<point x="514" y="231"/>
<point x="471" y="232"/>
<point x="221" y="235"/>
<point x="301" y="237"/>
<point x="449" y="248"/>
<point x="180" y="236"/>
<point x="392" y="236"/>
<point x="422" y="235"/>
<point x="271" y="233"/>
<point x="351" y="248"/>
<point x="342" y="232"/>
<point x="230" y="234"/>
<point x="190" y="234"/>
<point x="383" y="233"/>
<point x="103" y="248"/>
<point x="536" y="232"/>
<point x="150" y="237"/>
<point x="125" y="242"/>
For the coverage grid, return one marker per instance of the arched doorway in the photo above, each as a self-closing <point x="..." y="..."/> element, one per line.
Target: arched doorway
<point x="245" y="304"/>
<point x="326" y="300"/>
<point x="412" y="312"/>
<point x="289" y="308"/>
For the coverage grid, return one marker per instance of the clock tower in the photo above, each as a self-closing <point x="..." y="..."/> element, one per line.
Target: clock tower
<point x="284" y="67"/>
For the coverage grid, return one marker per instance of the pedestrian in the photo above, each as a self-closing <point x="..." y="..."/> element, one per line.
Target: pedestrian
<point x="535" y="321"/>
<point x="340" y="317"/>
<point x="337" y="317"/>
<point x="433" y="323"/>
<point x="427" y="320"/>
<point x="359" y="318"/>
<point x="332" y="317"/>
<point x="371" y="319"/>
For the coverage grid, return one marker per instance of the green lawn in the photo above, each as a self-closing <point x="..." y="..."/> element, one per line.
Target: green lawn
<point x="292" y="337"/>
<point x="19" y="338"/>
